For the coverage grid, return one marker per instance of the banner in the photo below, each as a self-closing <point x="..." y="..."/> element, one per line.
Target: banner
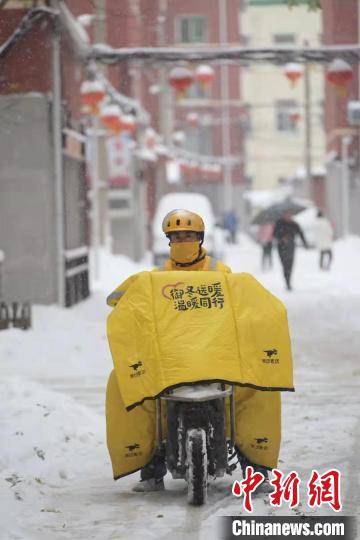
<point x="118" y="157"/>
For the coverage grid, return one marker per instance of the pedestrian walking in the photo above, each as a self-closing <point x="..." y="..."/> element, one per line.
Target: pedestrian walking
<point x="324" y="236"/>
<point x="285" y="232"/>
<point x="231" y="224"/>
<point x="265" y="236"/>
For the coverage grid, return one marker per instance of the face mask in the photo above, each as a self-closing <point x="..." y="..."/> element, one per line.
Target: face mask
<point x="184" y="252"/>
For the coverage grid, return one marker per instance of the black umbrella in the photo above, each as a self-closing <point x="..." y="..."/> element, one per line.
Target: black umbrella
<point x="276" y="211"/>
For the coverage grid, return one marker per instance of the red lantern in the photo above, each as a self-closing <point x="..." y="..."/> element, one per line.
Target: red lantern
<point x="192" y="118"/>
<point x="110" y="116"/>
<point x="293" y="72"/>
<point x="204" y="75"/>
<point x="128" y="123"/>
<point x="340" y="73"/>
<point x="92" y="93"/>
<point x="180" y="78"/>
<point x="295" y="117"/>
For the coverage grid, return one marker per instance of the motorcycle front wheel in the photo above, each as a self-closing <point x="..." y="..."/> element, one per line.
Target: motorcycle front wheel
<point x="197" y="466"/>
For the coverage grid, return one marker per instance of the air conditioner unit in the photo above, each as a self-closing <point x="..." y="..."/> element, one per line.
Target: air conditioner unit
<point x="353" y="113"/>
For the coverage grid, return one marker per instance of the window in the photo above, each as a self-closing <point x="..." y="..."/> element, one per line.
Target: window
<point x="284" y="109"/>
<point x="200" y="140"/>
<point x="192" y="29"/>
<point x="284" y="39"/>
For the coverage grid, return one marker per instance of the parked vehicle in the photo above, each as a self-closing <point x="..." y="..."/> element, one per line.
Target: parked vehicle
<point x="195" y="202"/>
<point x="196" y="446"/>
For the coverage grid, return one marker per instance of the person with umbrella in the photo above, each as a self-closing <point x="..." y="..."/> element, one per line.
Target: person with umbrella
<point x="265" y="236"/>
<point x="285" y="232"/>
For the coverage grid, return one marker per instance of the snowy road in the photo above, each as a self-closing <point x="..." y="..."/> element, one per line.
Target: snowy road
<point x="55" y="476"/>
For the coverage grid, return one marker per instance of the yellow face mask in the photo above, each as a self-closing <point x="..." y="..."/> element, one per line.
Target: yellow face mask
<point x="184" y="252"/>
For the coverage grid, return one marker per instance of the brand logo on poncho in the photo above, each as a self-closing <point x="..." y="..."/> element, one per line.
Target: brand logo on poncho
<point x="137" y="371"/>
<point x="190" y="297"/>
<point x="261" y="440"/>
<point x="166" y="290"/>
<point x="270" y="353"/>
<point x="260" y="443"/>
<point x="132" y="448"/>
<point x="136" y="366"/>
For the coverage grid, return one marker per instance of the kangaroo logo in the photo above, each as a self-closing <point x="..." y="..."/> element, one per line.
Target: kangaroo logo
<point x="270" y="352"/>
<point x="136" y="366"/>
<point x="262" y="440"/>
<point x="132" y="447"/>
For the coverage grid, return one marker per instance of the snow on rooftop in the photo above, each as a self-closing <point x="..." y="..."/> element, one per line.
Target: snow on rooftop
<point x="262" y="198"/>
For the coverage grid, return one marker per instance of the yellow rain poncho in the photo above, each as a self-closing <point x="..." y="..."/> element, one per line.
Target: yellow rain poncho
<point x="182" y="327"/>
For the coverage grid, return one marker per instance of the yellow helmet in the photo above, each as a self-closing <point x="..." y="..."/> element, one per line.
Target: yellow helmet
<point x="182" y="220"/>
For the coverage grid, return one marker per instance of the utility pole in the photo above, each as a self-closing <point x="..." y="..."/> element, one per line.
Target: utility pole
<point x="225" y="95"/>
<point x="58" y="159"/>
<point x="308" y="131"/>
<point x="99" y="26"/>
<point x="93" y="137"/>
<point x="165" y="98"/>
<point x="345" y="184"/>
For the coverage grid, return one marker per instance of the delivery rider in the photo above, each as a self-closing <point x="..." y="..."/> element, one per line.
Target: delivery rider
<point x="185" y="231"/>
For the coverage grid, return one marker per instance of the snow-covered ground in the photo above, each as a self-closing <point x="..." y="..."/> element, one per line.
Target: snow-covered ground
<point x="55" y="474"/>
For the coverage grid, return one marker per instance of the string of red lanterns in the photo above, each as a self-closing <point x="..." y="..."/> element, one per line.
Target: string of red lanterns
<point x="339" y="73"/>
<point x="181" y="78"/>
<point x="93" y="96"/>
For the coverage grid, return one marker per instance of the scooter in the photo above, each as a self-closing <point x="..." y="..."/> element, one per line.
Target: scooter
<point x="196" y="446"/>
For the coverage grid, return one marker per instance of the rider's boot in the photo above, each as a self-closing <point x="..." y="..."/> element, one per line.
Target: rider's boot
<point x="152" y="484"/>
<point x="152" y="475"/>
<point x="265" y="486"/>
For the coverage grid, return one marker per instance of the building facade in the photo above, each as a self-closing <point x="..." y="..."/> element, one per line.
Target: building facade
<point x="341" y="20"/>
<point x="43" y="220"/>
<point x="276" y="138"/>
<point x="183" y="23"/>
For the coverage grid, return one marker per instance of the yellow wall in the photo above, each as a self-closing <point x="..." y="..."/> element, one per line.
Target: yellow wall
<point x="270" y="153"/>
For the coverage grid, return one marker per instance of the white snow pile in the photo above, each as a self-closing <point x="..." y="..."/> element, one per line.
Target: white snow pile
<point x="42" y="429"/>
